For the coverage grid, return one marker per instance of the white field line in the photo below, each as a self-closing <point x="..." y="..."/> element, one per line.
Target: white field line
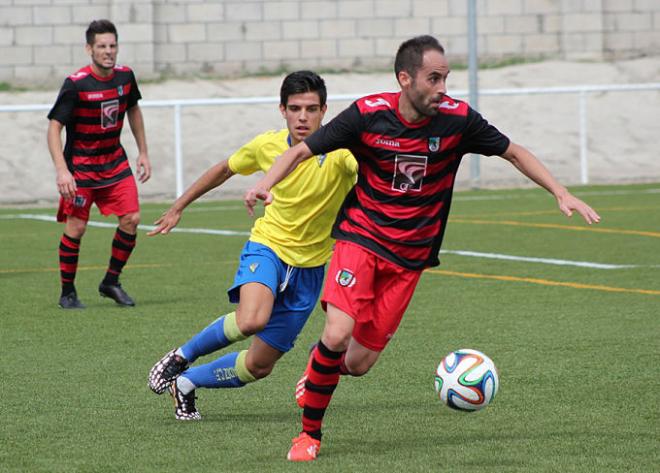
<point x="526" y="259"/>
<point x="91" y="223"/>
<point x="458" y="197"/>
<point x="474" y="254"/>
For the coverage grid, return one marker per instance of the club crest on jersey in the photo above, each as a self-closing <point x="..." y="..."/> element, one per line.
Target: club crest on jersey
<point x="409" y="171"/>
<point x="345" y="278"/>
<point x="320" y="159"/>
<point x="79" y="201"/>
<point x="253" y="267"/>
<point x="120" y="90"/>
<point x="109" y="113"/>
<point x="434" y="144"/>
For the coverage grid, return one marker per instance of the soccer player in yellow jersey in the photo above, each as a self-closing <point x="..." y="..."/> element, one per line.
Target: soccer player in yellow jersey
<point x="281" y="268"/>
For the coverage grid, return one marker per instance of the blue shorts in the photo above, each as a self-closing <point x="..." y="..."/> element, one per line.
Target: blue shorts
<point x="296" y="292"/>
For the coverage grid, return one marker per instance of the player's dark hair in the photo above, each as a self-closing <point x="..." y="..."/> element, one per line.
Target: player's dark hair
<point x="300" y="82"/>
<point x="99" y="27"/>
<point x="410" y="55"/>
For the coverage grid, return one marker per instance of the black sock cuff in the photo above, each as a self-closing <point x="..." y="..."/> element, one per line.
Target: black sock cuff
<point x="126" y="236"/>
<point x="325" y="351"/>
<point x="71" y="239"/>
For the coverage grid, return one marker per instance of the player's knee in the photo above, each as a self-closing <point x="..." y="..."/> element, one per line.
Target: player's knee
<point x="75" y="229"/>
<point x="130" y="222"/>
<point x="359" y="368"/>
<point x="336" y="340"/>
<point x="250" y="322"/>
<point x="260" y="371"/>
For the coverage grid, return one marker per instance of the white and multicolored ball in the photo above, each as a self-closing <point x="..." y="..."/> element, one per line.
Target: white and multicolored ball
<point x="466" y="380"/>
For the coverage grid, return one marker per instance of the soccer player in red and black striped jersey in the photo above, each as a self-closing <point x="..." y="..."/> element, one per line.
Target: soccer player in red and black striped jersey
<point x="408" y="146"/>
<point x="93" y="167"/>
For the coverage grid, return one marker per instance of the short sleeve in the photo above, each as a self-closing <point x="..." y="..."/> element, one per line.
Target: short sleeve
<point x="65" y="104"/>
<point x="343" y="131"/>
<point x="244" y="160"/>
<point x="481" y="137"/>
<point x="350" y="163"/>
<point x="135" y="94"/>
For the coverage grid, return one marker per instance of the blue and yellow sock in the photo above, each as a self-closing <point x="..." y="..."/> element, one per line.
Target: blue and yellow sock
<point x="224" y="331"/>
<point x="228" y="371"/>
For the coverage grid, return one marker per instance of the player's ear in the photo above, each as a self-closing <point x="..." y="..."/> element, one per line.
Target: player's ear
<point x="324" y="109"/>
<point x="404" y="79"/>
<point x="283" y="110"/>
<point x="88" y="49"/>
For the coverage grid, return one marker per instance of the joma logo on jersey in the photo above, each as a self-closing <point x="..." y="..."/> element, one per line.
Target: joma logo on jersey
<point x="345" y="278"/>
<point x="409" y="171"/>
<point x="390" y="143"/>
<point x="109" y="114"/>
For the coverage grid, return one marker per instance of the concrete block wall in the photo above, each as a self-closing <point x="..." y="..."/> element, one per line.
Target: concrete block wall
<point x="41" y="41"/>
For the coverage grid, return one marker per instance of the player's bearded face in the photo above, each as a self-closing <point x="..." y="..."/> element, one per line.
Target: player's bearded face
<point x="303" y="114"/>
<point x="104" y="51"/>
<point x="428" y="87"/>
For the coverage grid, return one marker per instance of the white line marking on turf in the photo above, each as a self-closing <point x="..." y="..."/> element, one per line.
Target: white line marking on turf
<point x="558" y="262"/>
<point x="92" y="223"/>
<point x="474" y="254"/>
<point x="459" y="197"/>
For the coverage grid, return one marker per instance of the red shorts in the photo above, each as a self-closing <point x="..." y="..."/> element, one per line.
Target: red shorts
<point x="119" y="199"/>
<point x="370" y="289"/>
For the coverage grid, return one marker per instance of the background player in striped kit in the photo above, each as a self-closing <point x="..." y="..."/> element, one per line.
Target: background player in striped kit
<point x="409" y="146"/>
<point x="281" y="268"/>
<point x="93" y="167"/>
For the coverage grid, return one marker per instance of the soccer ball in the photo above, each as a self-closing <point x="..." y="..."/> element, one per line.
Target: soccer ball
<point x="466" y="380"/>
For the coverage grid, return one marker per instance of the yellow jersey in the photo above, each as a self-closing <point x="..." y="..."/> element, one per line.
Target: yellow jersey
<point x="297" y="225"/>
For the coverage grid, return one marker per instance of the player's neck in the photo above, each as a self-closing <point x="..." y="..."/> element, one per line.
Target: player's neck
<point x="102" y="71"/>
<point x="408" y="111"/>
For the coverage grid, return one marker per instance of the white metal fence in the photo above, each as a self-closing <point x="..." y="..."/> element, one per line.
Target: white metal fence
<point x="582" y="92"/>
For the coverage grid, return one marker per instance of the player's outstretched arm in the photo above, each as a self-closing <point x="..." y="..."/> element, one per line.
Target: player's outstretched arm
<point x="212" y="178"/>
<point x="283" y="166"/>
<point x="531" y="167"/>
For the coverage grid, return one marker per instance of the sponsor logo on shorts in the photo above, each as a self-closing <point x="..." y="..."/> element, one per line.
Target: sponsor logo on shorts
<point x="79" y="201"/>
<point x="253" y="267"/>
<point x="345" y="278"/>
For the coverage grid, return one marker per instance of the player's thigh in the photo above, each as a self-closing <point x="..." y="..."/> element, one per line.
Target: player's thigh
<point x="261" y="358"/>
<point x="120" y="199"/>
<point x="75" y="211"/>
<point x="394" y="287"/>
<point x="254" y="308"/>
<point x="338" y="328"/>
<point x="292" y="308"/>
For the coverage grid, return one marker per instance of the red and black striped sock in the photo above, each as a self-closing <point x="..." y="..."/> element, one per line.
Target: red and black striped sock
<point x="321" y="383"/>
<point x="69" y="250"/>
<point x="122" y="246"/>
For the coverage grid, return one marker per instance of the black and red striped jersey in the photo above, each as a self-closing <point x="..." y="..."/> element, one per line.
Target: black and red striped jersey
<point x="398" y="209"/>
<point x="92" y="108"/>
